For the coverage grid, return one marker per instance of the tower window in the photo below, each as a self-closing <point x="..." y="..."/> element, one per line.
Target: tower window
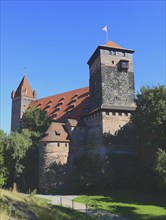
<point x="114" y="113"/>
<point x="124" y="64"/>
<point x="119" y="113"/>
<point x="58" y="144"/>
<point x="107" y="113"/>
<point x="112" y="62"/>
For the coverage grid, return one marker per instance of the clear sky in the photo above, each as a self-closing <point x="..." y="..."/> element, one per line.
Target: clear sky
<point x="55" y="39"/>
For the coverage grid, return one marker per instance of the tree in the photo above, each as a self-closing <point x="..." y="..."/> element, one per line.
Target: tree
<point x="160" y="165"/>
<point x="3" y="170"/>
<point x="150" y="117"/>
<point x="15" y="150"/>
<point x="36" y="120"/>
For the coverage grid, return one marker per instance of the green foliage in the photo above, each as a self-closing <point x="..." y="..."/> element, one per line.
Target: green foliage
<point x="3" y="170"/>
<point x="160" y="165"/>
<point x="150" y="117"/>
<point x="35" y="120"/>
<point x="15" y="150"/>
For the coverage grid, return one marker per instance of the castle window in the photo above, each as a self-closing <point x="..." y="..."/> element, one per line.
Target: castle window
<point x="58" y="144"/>
<point x="57" y="133"/>
<point x="124" y="64"/>
<point x="71" y="106"/>
<point x="107" y="113"/>
<point x="69" y="112"/>
<point x="60" y="100"/>
<point x="119" y="113"/>
<point x="112" y="62"/>
<point x="113" y="52"/>
<point x="126" y="114"/>
<point x="65" y="145"/>
<point x="59" y="104"/>
<point x="113" y="113"/>
<point x="38" y="105"/>
<point x="75" y="96"/>
<point x="85" y="110"/>
<point x="57" y="109"/>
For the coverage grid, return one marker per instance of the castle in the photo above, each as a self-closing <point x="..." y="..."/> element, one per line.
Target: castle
<point x="81" y="116"/>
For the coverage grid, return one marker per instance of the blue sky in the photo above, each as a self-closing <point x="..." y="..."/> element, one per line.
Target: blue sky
<point x="55" y="39"/>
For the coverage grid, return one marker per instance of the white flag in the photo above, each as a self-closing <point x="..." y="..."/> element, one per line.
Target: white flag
<point x="105" y="28"/>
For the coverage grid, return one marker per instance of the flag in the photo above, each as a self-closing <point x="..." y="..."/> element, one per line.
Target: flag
<point x="105" y="28"/>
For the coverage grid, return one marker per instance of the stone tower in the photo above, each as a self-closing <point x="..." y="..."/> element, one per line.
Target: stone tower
<point x="111" y="87"/>
<point x="112" y="78"/>
<point x="21" y="99"/>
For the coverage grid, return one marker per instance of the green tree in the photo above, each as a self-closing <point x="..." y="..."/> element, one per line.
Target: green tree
<point x="3" y="170"/>
<point x="160" y="166"/>
<point x="36" y="120"/>
<point x="15" y="151"/>
<point x="150" y="117"/>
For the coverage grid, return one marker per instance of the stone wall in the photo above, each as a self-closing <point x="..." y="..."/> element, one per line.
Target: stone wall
<point x="114" y="120"/>
<point x="53" y="158"/>
<point x="19" y="106"/>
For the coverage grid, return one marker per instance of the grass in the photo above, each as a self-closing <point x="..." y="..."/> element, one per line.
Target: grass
<point x="133" y="205"/>
<point x="30" y="207"/>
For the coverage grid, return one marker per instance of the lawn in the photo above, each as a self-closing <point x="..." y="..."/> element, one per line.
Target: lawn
<point x="134" y="205"/>
<point x="30" y="207"/>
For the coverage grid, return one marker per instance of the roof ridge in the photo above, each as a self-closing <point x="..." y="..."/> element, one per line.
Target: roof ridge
<point x="62" y="93"/>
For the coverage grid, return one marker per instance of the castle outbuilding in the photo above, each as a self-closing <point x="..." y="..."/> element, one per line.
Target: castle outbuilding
<point x="82" y="116"/>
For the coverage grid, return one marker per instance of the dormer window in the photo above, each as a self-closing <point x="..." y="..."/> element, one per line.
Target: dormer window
<point x="57" y="109"/>
<point x="60" y="100"/>
<point x="71" y="106"/>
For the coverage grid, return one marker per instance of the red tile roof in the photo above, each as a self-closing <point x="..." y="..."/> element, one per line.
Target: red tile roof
<point x="24" y="87"/>
<point x="72" y="104"/>
<point x="55" y="132"/>
<point x="112" y="44"/>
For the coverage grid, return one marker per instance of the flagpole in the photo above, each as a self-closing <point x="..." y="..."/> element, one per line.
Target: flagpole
<point x="107" y="33"/>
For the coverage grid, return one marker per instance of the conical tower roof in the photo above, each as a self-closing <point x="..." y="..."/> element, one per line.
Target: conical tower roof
<point x="24" y="87"/>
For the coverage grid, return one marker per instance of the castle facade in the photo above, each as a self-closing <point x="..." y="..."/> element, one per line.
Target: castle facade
<point x="81" y="117"/>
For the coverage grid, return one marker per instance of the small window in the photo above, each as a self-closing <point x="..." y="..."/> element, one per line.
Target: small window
<point x="65" y="145"/>
<point x="112" y="62"/>
<point x="60" y="100"/>
<point x="126" y="114"/>
<point x="69" y="112"/>
<point x="58" y="144"/>
<point x="119" y="113"/>
<point x="107" y="113"/>
<point x="71" y="106"/>
<point x="57" y="109"/>
<point x="75" y="96"/>
<point x="85" y="110"/>
<point x="59" y="104"/>
<point x="114" y="113"/>
<point x="57" y="133"/>
<point x="54" y="115"/>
